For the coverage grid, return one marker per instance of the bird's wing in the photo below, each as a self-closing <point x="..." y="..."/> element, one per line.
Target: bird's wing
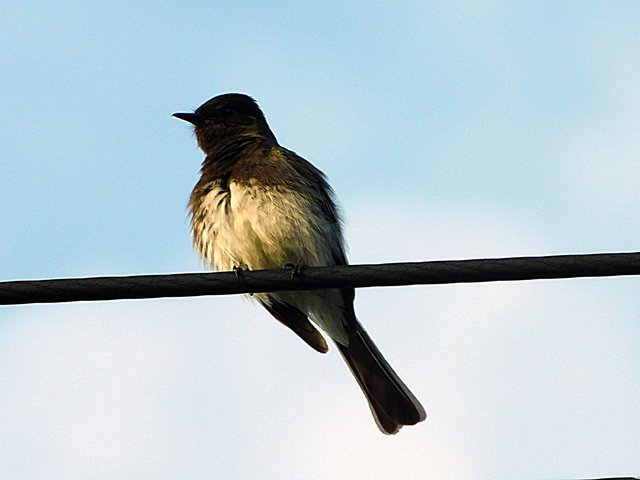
<point x="297" y="321"/>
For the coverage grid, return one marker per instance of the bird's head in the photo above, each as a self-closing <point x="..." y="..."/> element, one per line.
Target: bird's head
<point x="225" y="118"/>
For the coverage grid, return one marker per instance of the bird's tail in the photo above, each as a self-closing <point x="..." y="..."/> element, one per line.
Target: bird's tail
<point x="391" y="402"/>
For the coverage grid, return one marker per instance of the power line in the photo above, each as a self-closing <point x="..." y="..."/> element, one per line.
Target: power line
<point x="344" y="276"/>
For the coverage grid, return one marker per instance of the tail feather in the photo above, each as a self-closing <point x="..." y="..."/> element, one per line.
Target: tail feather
<point x="391" y="402"/>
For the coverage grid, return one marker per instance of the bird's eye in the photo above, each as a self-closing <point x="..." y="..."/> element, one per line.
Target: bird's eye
<point x="225" y="110"/>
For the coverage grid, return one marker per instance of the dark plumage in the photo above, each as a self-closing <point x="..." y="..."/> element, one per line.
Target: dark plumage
<point x="258" y="205"/>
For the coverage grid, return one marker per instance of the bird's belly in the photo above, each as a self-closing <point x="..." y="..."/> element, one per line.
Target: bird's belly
<point x="257" y="227"/>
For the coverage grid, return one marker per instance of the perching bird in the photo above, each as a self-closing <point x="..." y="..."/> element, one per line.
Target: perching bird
<point x="258" y="205"/>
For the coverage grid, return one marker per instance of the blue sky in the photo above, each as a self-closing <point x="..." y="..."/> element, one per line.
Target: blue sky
<point x="448" y="130"/>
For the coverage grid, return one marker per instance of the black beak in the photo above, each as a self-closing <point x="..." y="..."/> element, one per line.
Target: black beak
<point x="193" y="118"/>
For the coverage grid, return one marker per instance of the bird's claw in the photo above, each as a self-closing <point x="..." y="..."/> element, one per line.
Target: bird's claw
<point x="296" y="270"/>
<point x="239" y="273"/>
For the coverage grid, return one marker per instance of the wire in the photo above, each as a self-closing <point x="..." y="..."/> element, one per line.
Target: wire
<point x="344" y="276"/>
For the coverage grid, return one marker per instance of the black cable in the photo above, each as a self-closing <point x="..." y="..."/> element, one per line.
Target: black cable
<point x="224" y="283"/>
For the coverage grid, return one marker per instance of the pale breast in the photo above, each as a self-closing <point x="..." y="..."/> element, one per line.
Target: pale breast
<point x="255" y="226"/>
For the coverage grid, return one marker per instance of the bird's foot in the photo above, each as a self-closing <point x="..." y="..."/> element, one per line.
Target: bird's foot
<point x="296" y="270"/>
<point x="239" y="273"/>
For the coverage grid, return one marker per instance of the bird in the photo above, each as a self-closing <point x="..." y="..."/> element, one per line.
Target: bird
<point x="258" y="205"/>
